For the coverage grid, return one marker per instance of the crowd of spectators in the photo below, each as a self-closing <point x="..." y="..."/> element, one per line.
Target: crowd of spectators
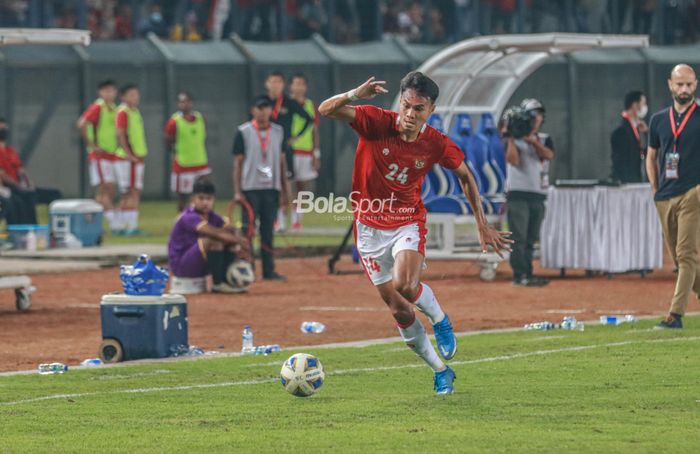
<point x="348" y="21"/>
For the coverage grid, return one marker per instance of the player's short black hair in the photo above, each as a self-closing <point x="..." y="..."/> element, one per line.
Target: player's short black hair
<point x="422" y="84"/>
<point x="203" y="185"/>
<point x="275" y="73"/>
<point x="106" y="83"/>
<point x="632" y="97"/>
<point x="298" y="76"/>
<point x="128" y="87"/>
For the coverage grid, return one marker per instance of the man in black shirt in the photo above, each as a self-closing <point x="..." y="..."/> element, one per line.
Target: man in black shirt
<point x="283" y="110"/>
<point x="626" y="141"/>
<point x="673" y="168"/>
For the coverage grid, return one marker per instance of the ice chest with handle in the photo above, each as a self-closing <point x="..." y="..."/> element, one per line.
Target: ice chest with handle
<point x="135" y="327"/>
<point x="81" y="218"/>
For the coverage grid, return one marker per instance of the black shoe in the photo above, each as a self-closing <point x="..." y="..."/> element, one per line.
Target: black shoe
<point x="538" y="281"/>
<point x="530" y="282"/>
<point x="275" y="276"/>
<point x="672" y="321"/>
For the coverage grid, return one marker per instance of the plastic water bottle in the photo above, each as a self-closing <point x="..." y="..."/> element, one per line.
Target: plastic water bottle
<point x="541" y="326"/>
<point x="267" y="349"/>
<point x="247" y="338"/>
<point x="571" y="324"/>
<point x="313" y="327"/>
<point x="617" y="319"/>
<point x="52" y="368"/>
<point x="31" y="241"/>
<point x="92" y="362"/>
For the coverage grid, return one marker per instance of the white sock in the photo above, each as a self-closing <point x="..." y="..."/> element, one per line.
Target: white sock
<point x="428" y="304"/>
<point x="417" y="340"/>
<point x="117" y="220"/>
<point x="131" y="219"/>
<point x="281" y="219"/>
<point x="109" y="215"/>
<point x="296" y="217"/>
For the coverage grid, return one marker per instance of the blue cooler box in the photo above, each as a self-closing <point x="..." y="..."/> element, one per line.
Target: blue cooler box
<point x="81" y="218"/>
<point x="135" y="327"/>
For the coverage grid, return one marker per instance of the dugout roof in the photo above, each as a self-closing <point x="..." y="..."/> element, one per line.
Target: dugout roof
<point x="481" y="74"/>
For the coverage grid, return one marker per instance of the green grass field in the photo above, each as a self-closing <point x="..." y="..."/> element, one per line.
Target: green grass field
<point x="607" y="389"/>
<point x="157" y="218"/>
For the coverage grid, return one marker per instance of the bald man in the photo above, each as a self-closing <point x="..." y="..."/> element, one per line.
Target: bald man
<point x="673" y="167"/>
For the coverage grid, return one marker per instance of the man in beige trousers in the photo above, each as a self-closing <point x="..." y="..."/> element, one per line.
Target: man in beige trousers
<point x="673" y="167"/>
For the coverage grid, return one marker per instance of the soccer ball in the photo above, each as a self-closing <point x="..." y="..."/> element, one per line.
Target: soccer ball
<point x="240" y="274"/>
<point x="302" y="375"/>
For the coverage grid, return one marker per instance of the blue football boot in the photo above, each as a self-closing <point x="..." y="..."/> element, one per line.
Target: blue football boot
<point x="446" y="340"/>
<point x="443" y="381"/>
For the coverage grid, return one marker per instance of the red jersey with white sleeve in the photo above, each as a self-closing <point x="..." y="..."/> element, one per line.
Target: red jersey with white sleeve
<point x="389" y="172"/>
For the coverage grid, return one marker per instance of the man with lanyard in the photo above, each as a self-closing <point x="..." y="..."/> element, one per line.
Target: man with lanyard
<point x="260" y="176"/>
<point x="133" y="151"/>
<point x="626" y="142"/>
<point x="283" y="111"/>
<point x="527" y="181"/>
<point x="673" y="168"/>
<point x="97" y="126"/>
<point x="185" y="137"/>
<point x="307" y="155"/>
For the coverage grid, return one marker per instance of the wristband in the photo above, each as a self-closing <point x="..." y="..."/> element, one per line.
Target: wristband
<point x="351" y="95"/>
<point x="317" y="153"/>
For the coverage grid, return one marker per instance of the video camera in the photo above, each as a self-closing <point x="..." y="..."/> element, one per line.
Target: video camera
<point x="519" y="122"/>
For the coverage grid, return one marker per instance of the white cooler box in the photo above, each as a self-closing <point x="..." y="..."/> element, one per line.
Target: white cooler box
<point x="76" y="222"/>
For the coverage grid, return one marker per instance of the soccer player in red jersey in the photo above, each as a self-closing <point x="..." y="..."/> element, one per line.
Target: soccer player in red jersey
<point x="394" y="153"/>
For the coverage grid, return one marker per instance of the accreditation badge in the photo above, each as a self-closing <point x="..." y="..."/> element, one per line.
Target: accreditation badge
<point x="544" y="179"/>
<point x="672" y="165"/>
<point x="264" y="174"/>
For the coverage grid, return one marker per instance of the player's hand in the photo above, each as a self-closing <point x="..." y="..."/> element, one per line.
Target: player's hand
<point x="238" y="197"/>
<point x="133" y="158"/>
<point x="316" y="163"/>
<point x="284" y="199"/>
<point x="531" y="139"/>
<point x="499" y="241"/>
<point x="371" y="88"/>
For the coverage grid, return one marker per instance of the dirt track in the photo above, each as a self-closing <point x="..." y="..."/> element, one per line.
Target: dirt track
<point x="64" y="322"/>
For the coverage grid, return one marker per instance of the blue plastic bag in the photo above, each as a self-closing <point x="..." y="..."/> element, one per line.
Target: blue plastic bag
<point x="143" y="278"/>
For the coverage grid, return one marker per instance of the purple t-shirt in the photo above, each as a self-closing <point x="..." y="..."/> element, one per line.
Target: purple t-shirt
<point x="185" y="232"/>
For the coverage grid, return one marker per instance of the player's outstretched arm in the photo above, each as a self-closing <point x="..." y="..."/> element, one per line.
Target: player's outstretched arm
<point x="337" y="106"/>
<point x="488" y="236"/>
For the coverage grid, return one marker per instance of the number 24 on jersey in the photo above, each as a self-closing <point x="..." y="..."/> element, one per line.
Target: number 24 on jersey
<point x="395" y="175"/>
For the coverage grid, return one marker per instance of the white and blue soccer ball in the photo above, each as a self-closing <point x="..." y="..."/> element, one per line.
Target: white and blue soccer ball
<point x="302" y="374"/>
<point x="240" y="274"/>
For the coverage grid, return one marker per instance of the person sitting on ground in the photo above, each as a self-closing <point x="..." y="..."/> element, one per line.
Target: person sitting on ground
<point x="202" y="243"/>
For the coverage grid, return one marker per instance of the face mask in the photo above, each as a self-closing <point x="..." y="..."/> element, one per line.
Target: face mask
<point x="4" y="133"/>
<point x="643" y="111"/>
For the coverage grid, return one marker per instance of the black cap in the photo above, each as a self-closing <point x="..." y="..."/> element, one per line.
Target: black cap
<point x="261" y="101"/>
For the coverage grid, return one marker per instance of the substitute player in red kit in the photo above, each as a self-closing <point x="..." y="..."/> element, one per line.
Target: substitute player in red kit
<point x="394" y="153"/>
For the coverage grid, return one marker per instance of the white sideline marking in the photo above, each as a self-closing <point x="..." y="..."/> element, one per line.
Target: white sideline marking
<point x="350" y="371"/>
<point x="346" y="344"/>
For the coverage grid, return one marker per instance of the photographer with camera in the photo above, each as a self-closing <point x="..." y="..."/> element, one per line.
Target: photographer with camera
<point x="528" y="153"/>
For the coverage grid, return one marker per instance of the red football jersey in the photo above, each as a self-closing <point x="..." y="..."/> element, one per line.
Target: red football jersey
<point x="389" y="172"/>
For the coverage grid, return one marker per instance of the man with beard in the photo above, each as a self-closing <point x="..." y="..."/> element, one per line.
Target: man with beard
<point x="673" y="167"/>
